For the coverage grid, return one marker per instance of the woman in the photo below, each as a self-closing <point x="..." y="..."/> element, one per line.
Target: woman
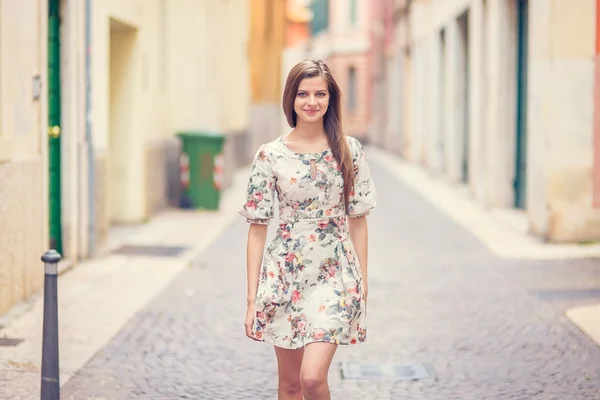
<point x="308" y="293"/>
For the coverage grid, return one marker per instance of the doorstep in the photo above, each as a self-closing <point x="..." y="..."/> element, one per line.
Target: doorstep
<point x="587" y="318"/>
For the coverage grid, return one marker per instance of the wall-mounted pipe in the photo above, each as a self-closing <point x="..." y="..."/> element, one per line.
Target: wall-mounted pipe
<point x="88" y="131"/>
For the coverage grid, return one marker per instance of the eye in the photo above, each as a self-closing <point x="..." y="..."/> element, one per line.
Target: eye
<point x="321" y="94"/>
<point x="301" y="94"/>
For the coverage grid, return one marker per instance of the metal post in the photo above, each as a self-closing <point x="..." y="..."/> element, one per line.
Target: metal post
<point x="50" y="389"/>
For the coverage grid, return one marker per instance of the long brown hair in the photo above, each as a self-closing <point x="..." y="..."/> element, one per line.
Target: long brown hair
<point x="332" y="121"/>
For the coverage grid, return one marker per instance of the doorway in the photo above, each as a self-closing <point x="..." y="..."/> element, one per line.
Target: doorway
<point x="121" y="148"/>
<point x="440" y="143"/>
<point x="464" y="54"/>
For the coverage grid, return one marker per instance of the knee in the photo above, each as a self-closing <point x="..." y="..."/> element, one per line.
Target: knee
<point x="290" y="387"/>
<point x="312" y="383"/>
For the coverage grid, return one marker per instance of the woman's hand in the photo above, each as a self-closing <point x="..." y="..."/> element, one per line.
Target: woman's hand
<point x="257" y="235"/>
<point x="249" y="322"/>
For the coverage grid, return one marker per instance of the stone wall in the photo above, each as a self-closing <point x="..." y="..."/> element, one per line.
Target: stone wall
<point x="21" y="231"/>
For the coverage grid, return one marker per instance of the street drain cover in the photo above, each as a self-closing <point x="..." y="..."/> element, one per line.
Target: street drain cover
<point x="408" y="372"/>
<point x="152" y="251"/>
<point x="9" y="342"/>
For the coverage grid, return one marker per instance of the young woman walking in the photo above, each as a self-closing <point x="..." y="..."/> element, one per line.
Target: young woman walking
<point x="307" y="293"/>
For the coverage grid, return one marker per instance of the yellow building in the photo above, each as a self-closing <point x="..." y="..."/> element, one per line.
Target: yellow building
<point x="267" y="41"/>
<point x="92" y="94"/>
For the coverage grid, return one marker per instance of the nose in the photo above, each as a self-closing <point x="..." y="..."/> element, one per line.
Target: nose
<point x="312" y="100"/>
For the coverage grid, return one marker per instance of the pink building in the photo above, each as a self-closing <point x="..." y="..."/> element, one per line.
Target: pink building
<point x="382" y="48"/>
<point x="340" y="32"/>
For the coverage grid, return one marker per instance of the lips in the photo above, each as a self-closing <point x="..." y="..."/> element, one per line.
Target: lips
<point x="311" y="111"/>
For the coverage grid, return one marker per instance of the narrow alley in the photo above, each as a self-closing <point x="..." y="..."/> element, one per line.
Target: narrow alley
<point x="476" y="326"/>
<point x="127" y="138"/>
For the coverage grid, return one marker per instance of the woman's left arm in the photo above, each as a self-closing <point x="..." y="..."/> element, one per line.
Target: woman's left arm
<point x="359" y="234"/>
<point x="363" y="199"/>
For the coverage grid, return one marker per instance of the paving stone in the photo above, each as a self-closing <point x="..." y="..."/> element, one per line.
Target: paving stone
<point x="436" y="295"/>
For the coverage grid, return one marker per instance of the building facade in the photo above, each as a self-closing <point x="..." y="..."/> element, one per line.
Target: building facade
<point x="23" y="149"/>
<point x="384" y="72"/>
<point x="340" y="36"/>
<point x="92" y="95"/>
<point x="498" y="96"/>
<point x="266" y="44"/>
<point x="297" y="37"/>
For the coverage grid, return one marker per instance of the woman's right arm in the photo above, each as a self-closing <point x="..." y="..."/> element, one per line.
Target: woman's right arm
<point x="257" y="236"/>
<point x="258" y="210"/>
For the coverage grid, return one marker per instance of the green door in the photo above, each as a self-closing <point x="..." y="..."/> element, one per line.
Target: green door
<point x="520" y="182"/>
<point x="54" y="125"/>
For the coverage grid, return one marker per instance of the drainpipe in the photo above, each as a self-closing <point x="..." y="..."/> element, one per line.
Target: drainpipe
<point x="88" y="131"/>
<point x="596" y="185"/>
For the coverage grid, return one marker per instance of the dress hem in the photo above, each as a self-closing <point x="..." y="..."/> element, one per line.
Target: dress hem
<point x="288" y="347"/>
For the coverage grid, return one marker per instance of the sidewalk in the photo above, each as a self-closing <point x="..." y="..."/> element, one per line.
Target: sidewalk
<point x="501" y="231"/>
<point x="97" y="297"/>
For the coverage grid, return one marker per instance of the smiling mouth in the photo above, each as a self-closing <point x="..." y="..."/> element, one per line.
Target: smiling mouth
<point x="311" y="111"/>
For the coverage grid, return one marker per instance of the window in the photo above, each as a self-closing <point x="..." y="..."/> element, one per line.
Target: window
<point x="353" y="13"/>
<point x="320" y="19"/>
<point x="352" y="89"/>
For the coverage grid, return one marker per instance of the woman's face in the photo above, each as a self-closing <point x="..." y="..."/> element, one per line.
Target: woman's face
<point x="312" y="99"/>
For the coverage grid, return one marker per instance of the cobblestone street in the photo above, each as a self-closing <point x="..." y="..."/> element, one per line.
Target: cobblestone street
<point x="490" y="328"/>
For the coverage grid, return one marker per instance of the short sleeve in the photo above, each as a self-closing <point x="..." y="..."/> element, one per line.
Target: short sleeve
<point x="364" y="196"/>
<point x="260" y="196"/>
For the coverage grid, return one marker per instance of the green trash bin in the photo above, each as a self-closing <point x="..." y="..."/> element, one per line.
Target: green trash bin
<point x="201" y="169"/>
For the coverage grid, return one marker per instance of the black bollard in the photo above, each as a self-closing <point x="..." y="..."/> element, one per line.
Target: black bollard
<point x="50" y="389"/>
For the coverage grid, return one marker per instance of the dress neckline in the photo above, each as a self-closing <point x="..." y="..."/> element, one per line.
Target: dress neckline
<point x="293" y="153"/>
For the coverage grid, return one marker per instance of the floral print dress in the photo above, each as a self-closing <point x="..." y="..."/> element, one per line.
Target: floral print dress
<point x="310" y="283"/>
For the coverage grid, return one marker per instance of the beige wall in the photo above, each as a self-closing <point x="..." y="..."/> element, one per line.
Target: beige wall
<point x="559" y="107"/>
<point x="73" y="125"/>
<point x="23" y="50"/>
<point x="128" y="101"/>
<point x="561" y="121"/>
<point x="232" y="66"/>
<point x="22" y="236"/>
<point x="23" y="150"/>
<point x="157" y="71"/>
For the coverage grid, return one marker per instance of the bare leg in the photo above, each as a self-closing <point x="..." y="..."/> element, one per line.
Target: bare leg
<point x="315" y="367"/>
<point x="288" y="366"/>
